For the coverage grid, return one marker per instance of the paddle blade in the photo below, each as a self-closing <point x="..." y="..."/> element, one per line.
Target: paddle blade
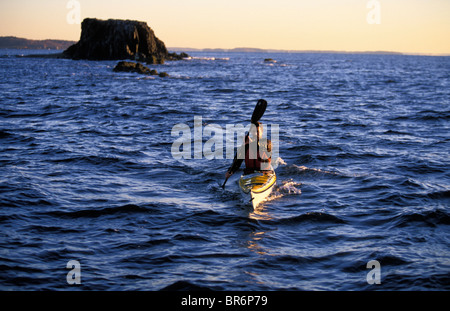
<point x="259" y="110"/>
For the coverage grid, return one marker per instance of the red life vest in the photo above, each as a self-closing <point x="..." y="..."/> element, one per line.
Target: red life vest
<point x="257" y="155"/>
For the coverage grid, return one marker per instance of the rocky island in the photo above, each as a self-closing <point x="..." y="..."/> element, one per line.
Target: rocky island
<point x="119" y="40"/>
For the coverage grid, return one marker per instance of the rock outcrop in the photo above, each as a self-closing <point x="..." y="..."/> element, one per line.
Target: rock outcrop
<point x="118" y="40"/>
<point x="137" y="68"/>
<point x="133" y="67"/>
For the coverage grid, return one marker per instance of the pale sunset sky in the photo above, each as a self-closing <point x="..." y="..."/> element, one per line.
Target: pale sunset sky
<point x="407" y="26"/>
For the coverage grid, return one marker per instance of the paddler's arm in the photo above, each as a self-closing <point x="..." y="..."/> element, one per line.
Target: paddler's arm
<point x="237" y="161"/>
<point x="234" y="167"/>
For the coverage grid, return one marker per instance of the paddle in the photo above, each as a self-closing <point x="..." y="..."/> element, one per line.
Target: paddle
<point x="260" y="108"/>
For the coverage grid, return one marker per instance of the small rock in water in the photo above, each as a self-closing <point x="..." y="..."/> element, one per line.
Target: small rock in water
<point x="125" y="66"/>
<point x="131" y="67"/>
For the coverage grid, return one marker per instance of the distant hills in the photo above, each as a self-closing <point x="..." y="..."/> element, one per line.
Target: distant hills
<point x="21" y="43"/>
<point x="255" y="50"/>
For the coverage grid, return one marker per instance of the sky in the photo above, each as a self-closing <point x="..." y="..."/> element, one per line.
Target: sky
<point x="406" y="26"/>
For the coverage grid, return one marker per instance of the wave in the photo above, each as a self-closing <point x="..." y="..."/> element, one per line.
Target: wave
<point x="216" y="219"/>
<point x="383" y="259"/>
<point x="431" y="115"/>
<point x="122" y="163"/>
<point x="310" y="171"/>
<point x="5" y="134"/>
<point x="293" y="260"/>
<point x="313" y="217"/>
<point x="187" y="286"/>
<point x="280" y="161"/>
<point x="222" y="90"/>
<point x="190" y="237"/>
<point x="289" y="187"/>
<point x="390" y="260"/>
<point x="438" y="195"/>
<point x="427" y="218"/>
<point x="425" y="115"/>
<point x="286" y="188"/>
<point x="49" y="229"/>
<point x="399" y="281"/>
<point x="142" y="244"/>
<point x="207" y="58"/>
<point x="180" y="258"/>
<point x="106" y="211"/>
<point x="15" y="138"/>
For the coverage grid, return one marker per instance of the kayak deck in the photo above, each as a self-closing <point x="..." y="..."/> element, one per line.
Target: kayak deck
<point x="256" y="187"/>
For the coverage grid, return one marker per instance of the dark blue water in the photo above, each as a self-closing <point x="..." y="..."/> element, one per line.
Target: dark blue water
<point x="87" y="174"/>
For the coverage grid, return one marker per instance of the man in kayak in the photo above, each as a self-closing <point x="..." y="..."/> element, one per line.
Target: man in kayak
<point x="256" y="152"/>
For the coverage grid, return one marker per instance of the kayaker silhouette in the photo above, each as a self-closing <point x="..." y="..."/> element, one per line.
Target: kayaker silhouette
<point x="256" y="154"/>
<point x="259" y="177"/>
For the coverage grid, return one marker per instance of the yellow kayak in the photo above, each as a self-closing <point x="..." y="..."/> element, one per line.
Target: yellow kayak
<point x="256" y="187"/>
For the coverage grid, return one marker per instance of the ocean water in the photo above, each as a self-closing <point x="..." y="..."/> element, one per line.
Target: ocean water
<point x="87" y="174"/>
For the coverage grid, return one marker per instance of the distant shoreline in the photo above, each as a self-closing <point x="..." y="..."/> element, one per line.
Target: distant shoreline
<point x="27" y="44"/>
<point x="16" y="43"/>
<point x="257" y="50"/>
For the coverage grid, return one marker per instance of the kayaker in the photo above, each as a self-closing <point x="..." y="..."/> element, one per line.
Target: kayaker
<point x="256" y="152"/>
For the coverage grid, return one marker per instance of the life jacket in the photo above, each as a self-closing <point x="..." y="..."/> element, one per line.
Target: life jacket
<point x="257" y="155"/>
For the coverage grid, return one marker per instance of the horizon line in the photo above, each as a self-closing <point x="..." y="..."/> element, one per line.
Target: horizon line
<point x="263" y="50"/>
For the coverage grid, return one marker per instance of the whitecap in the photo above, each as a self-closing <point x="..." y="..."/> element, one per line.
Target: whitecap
<point x="287" y="187"/>
<point x="280" y="161"/>
<point x="209" y="58"/>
